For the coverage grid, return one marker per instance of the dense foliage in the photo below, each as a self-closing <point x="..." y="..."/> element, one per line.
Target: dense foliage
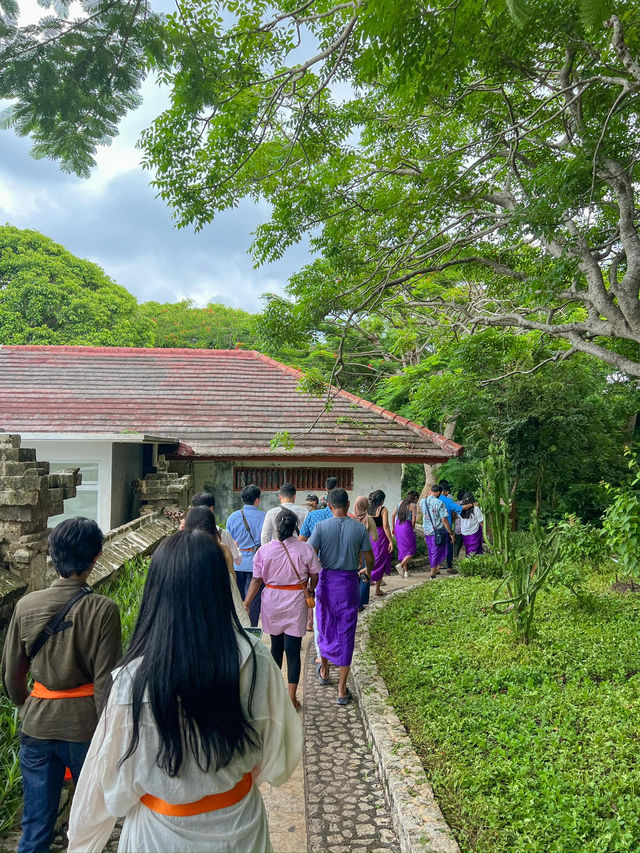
<point x="181" y="324"/>
<point x="48" y="296"/>
<point x="527" y="747"/>
<point x="468" y="164"/>
<point x="70" y="77"/>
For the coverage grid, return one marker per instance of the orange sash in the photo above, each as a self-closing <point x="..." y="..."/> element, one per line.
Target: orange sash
<point x="206" y="804"/>
<point x="42" y="692"/>
<point x="285" y="586"/>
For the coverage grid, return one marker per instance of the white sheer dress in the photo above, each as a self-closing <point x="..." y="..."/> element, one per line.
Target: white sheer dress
<point x="106" y="791"/>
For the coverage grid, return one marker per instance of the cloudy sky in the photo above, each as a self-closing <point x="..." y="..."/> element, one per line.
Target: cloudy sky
<point x="115" y="220"/>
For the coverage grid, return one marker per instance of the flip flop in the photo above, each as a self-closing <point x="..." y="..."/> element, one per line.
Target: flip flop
<point x="322" y="680"/>
<point x="344" y="700"/>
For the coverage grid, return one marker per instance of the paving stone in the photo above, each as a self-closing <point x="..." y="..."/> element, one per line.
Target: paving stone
<point x="346" y="807"/>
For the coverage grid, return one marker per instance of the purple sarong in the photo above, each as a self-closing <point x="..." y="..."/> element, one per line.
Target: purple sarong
<point x="381" y="556"/>
<point x="473" y="542"/>
<point x="437" y="553"/>
<point x="337" y="602"/>
<point x="405" y="539"/>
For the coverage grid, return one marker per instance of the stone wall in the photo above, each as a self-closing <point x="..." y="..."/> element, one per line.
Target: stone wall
<point x="163" y="489"/>
<point x="29" y="494"/>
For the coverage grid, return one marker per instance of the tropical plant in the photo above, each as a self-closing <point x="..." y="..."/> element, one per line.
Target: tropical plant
<point x="10" y="780"/>
<point x="622" y="522"/>
<point x="523" y="579"/>
<point x="126" y="590"/>
<point x="182" y="324"/>
<point x="495" y="498"/>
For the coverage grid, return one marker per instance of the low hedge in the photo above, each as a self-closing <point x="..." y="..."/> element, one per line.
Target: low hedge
<point x="528" y="748"/>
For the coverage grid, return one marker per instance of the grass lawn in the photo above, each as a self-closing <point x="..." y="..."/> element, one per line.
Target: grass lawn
<point x="527" y="747"/>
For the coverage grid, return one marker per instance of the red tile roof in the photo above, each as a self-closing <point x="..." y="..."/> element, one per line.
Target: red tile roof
<point x="215" y="403"/>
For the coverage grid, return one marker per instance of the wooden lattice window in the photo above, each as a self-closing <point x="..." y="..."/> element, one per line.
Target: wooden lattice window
<point x="304" y="479"/>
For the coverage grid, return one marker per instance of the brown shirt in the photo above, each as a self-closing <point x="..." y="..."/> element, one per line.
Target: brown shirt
<point x="84" y="653"/>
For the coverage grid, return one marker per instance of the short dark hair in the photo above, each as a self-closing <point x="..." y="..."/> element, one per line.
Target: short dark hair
<point x="445" y="485"/>
<point x="203" y="499"/>
<point x="338" y="498"/>
<point x="250" y="493"/>
<point x="286" y="524"/>
<point x="436" y="488"/>
<point x="313" y="498"/>
<point x="287" y="490"/>
<point x="74" y="545"/>
<point x="331" y="483"/>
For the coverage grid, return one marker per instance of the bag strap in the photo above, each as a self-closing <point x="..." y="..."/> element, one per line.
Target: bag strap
<point x="246" y="524"/>
<point x="426" y="503"/>
<point x="302" y="584"/>
<point x="56" y="624"/>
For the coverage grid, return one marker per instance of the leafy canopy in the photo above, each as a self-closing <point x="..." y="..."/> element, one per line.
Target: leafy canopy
<point x="476" y="161"/>
<point x="48" y="296"/>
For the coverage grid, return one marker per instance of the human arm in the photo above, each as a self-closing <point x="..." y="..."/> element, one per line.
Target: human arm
<point x="280" y="730"/>
<point x="268" y="528"/>
<point x="108" y="653"/>
<point x="104" y="790"/>
<point x="369" y="563"/>
<point x="256" y="584"/>
<point x="373" y="530"/>
<point x="232" y="545"/>
<point x="414" y="514"/>
<point x="15" y="664"/>
<point x="393" y="517"/>
<point x="387" y="529"/>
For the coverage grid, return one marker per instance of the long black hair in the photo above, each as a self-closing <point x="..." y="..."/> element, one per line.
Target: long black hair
<point x="286" y="524"/>
<point x="187" y="637"/>
<point x="202" y="518"/>
<point x="467" y="498"/>
<point x="376" y="500"/>
<point x="403" y="509"/>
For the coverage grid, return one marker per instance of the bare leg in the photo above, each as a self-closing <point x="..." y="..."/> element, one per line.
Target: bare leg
<point x="324" y="667"/>
<point x="342" y="681"/>
<point x="378" y="585"/>
<point x="293" y="689"/>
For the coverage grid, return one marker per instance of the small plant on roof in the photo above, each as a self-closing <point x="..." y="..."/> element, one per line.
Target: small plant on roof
<point x="282" y="440"/>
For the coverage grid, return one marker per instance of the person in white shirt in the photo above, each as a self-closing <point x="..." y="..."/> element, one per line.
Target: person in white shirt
<point x="208" y="500"/>
<point x="287" y="496"/>
<point x="197" y="718"/>
<point x="471" y="519"/>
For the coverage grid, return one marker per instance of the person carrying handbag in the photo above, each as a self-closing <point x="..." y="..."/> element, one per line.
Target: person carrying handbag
<point x="437" y="530"/>
<point x="287" y="567"/>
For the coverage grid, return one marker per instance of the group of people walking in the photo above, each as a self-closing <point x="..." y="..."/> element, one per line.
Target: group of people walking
<point x="177" y="734"/>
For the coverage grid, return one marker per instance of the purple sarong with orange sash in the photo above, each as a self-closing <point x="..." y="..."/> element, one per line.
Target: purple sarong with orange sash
<point x="337" y="602"/>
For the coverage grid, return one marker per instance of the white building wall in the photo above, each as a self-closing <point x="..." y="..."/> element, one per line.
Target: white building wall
<point x="79" y="452"/>
<point x="369" y="476"/>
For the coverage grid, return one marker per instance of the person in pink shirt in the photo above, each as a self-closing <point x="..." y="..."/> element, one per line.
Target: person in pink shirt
<point x="287" y="567"/>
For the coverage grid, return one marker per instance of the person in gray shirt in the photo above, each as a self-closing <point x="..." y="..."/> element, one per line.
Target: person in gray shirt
<point x="341" y="543"/>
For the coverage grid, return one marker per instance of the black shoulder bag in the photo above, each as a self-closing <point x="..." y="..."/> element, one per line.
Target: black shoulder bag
<point x="246" y="524"/>
<point x="57" y="623"/>
<point x="439" y="533"/>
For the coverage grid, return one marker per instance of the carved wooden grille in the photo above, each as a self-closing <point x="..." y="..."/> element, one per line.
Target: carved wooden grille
<point x="304" y="479"/>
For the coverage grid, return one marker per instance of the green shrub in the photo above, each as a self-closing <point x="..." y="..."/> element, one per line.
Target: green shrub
<point x="126" y="591"/>
<point x="622" y="522"/>
<point x="482" y="566"/>
<point x="528" y="747"/>
<point x="10" y="781"/>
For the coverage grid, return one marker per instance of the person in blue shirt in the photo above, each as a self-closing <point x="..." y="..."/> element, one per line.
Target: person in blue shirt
<point x="245" y="526"/>
<point x="451" y="507"/>
<point x="312" y="519"/>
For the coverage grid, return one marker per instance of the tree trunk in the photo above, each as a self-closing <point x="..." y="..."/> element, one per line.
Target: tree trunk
<point x="431" y="471"/>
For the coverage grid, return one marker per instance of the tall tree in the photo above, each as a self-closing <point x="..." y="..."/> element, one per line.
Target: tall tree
<point x="478" y="161"/>
<point x="48" y="296"/>
<point x="70" y="78"/>
<point x="180" y="324"/>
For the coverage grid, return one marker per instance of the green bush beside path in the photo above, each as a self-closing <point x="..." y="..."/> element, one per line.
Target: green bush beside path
<point x="528" y="748"/>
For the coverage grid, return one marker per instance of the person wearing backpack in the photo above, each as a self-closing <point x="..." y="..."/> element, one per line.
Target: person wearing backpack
<point x="68" y="638"/>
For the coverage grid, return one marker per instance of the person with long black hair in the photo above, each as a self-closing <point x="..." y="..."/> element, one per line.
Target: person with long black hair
<point x="201" y="517"/>
<point x="198" y="716"/>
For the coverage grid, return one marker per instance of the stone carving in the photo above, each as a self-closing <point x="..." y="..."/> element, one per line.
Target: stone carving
<point x="163" y="490"/>
<point x="29" y="495"/>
